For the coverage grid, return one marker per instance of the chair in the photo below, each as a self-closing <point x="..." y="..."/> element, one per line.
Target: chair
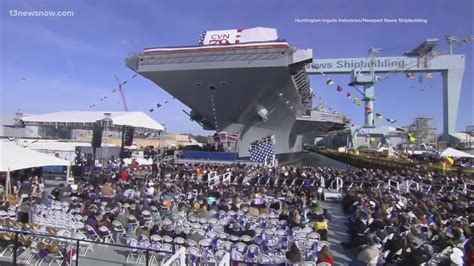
<point x="191" y="243"/>
<point x="204" y="244"/>
<point x="64" y="233"/>
<point x="167" y="222"/>
<point x="3" y="215"/>
<point x="323" y="264"/>
<point x="237" y="256"/>
<point x="144" y="241"/>
<point x="374" y="261"/>
<point x="222" y="235"/>
<point x="234" y="238"/>
<point x="301" y="234"/>
<point x="118" y="228"/>
<point x="228" y="245"/>
<point x="194" y="254"/>
<point x="219" y="254"/>
<point x="57" y="258"/>
<point x="314" y="235"/>
<point x="133" y="243"/>
<point x="146" y="215"/>
<point x="34" y="254"/>
<point x="200" y="232"/>
<point x="166" y="247"/>
<point x="280" y="233"/>
<point x="106" y="234"/>
<point x="207" y="257"/>
<point x="279" y="259"/>
<point x="264" y="259"/>
<point x="84" y="245"/>
<point x="11" y="215"/>
<point x="155" y="238"/>
<point x="78" y="217"/>
<point x="179" y="242"/>
<point x="323" y="243"/>
<point x="134" y="222"/>
<point x="167" y="239"/>
<point x="92" y="233"/>
<point x="155" y="242"/>
<point x="240" y="247"/>
<point x="245" y="239"/>
<point x="211" y="234"/>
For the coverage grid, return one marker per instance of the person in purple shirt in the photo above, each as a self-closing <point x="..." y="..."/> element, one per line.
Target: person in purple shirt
<point x="92" y="221"/>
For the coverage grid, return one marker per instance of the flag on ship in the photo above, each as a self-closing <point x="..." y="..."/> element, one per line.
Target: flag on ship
<point x="233" y="137"/>
<point x="263" y="150"/>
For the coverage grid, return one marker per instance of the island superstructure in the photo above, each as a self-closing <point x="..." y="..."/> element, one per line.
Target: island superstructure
<point x="246" y="82"/>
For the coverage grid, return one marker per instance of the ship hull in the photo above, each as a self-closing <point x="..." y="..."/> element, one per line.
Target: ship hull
<point x="254" y="92"/>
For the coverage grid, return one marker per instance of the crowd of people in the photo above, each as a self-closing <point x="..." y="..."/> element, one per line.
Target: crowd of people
<point x="431" y="220"/>
<point x="276" y="209"/>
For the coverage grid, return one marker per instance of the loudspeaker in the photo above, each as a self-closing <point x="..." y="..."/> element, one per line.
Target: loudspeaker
<point x="127" y="137"/>
<point x="125" y="154"/>
<point x="78" y="157"/>
<point x="97" y="136"/>
<point x="77" y="170"/>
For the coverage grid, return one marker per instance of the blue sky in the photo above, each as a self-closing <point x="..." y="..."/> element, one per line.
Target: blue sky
<point x="68" y="63"/>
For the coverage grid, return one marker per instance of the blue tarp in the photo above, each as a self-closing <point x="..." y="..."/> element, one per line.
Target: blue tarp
<point x="53" y="169"/>
<point x="207" y="155"/>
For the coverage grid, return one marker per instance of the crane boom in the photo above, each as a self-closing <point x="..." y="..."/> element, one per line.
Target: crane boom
<point x="122" y="94"/>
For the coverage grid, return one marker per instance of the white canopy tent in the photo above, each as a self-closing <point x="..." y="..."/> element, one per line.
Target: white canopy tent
<point x="14" y="157"/>
<point x="86" y="119"/>
<point x="456" y="153"/>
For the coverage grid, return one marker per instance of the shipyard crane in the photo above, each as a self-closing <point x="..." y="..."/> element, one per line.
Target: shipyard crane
<point x="122" y="94"/>
<point x="421" y="59"/>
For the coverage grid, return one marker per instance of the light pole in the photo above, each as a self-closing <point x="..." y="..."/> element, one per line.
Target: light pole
<point x="106" y="123"/>
<point x="18" y="125"/>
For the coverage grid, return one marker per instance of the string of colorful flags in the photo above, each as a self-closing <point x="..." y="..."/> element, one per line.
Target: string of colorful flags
<point x="159" y="105"/>
<point x="120" y="86"/>
<point x="114" y="90"/>
<point x="358" y="102"/>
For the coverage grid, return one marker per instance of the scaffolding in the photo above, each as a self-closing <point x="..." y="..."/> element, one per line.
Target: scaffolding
<point x="424" y="130"/>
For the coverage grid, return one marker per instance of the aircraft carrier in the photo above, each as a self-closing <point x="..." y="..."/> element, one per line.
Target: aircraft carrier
<point x="246" y="82"/>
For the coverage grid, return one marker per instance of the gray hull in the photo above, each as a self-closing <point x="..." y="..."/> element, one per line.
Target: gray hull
<point x="254" y="92"/>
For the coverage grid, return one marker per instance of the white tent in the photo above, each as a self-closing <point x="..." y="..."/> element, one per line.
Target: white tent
<point x="14" y="157"/>
<point x="456" y="154"/>
<point x="87" y="119"/>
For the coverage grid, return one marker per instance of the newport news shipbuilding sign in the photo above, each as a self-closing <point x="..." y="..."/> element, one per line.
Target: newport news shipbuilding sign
<point x="363" y="64"/>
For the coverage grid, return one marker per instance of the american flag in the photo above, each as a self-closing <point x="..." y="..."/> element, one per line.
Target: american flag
<point x="222" y="137"/>
<point x="233" y="137"/>
<point x="262" y="150"/>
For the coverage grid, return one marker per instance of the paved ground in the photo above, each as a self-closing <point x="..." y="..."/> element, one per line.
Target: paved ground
<point x="338" y="233"/>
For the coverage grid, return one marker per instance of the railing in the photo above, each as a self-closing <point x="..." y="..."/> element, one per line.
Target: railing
<point x="178" y="256"/>
<point x="213" y="179"/>
<point x="69" y="243"/>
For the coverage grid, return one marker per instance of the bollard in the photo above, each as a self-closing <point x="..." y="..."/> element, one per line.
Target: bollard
<point x="15" y="248"/>
<point x="77" y="252"/>
<point x="147" y="258"/>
